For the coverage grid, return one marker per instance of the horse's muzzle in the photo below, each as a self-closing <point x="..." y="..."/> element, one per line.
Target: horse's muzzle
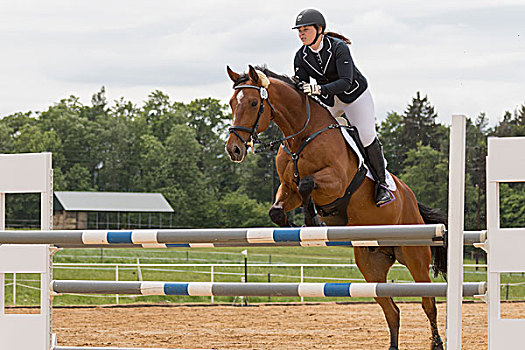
<point x="236" y="150"/>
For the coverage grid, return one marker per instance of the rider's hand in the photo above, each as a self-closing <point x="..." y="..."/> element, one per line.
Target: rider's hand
<point x="298" y="82"/>
<point x="311" y="89"/>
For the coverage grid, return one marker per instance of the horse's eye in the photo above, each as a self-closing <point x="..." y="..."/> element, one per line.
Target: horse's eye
<point x="254" y="103"/>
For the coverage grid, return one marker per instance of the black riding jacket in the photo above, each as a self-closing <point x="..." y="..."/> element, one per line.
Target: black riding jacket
<point x="333" y="69"/>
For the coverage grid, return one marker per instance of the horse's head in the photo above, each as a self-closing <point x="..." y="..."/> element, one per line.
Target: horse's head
<point x="250" y="116"/>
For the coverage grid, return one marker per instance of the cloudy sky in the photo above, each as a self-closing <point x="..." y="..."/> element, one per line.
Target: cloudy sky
<point x="468" y="56"/>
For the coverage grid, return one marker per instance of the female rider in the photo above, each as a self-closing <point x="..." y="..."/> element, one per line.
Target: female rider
<point x="326" y="58"/>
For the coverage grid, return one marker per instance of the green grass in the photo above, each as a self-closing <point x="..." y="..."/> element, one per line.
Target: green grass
<point x="290" y="255"/>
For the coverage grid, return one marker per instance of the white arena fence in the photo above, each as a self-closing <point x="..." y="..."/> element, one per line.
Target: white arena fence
<point x="213" y="270"/>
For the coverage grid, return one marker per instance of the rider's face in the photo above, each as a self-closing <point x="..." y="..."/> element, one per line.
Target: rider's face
<point x="307" y="34"/>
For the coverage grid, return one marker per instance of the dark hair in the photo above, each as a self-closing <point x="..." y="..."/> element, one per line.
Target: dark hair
<point x="339" y="36"/>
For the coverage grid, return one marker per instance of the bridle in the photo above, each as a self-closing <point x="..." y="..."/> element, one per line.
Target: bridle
<point x="263" y="93"/>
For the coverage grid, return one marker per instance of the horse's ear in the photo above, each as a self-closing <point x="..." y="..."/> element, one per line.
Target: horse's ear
<point x="233" y="76"/>
<point x="253" y="74"/>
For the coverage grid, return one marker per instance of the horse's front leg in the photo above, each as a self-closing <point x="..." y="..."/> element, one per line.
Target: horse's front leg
<point x="286" y="199"/>
<point x="328" y="185"/>
<point x="306" y="186"/>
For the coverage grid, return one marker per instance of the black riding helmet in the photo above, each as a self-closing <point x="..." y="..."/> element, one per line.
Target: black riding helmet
<point x="310" y="17"/>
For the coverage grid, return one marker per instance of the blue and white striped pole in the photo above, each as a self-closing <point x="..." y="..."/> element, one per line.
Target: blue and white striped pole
<point x="345" y="235"/>
<point x="369" y="290"/>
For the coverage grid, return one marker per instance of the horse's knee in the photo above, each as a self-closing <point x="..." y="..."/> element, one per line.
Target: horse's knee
<point x="278" y="216"/>
<point x="306" y="186"/>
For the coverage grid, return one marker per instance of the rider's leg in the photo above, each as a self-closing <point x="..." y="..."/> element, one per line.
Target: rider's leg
<point x="377" y="162"/>
<point x="361" y="114"/>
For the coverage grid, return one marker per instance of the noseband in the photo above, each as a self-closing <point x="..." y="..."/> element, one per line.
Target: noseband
<point x="252" y="131"/>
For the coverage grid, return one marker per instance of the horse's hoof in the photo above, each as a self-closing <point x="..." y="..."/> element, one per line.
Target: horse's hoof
<point x="437" y="344"/>
<point x="393" y="348"/>
<point x="278" y="216"/>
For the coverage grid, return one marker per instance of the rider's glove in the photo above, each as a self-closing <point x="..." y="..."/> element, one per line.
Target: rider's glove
<point x="312" y="89"/>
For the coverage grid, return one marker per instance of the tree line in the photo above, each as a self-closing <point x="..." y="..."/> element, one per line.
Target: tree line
<point x="177" y="149"/>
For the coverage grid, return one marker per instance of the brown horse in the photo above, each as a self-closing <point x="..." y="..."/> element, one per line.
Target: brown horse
<point x="324" y="168"/>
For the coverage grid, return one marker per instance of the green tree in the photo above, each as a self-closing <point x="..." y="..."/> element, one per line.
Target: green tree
<point x="419" y="124"/>
<point x="186" y="176"/>
<point x="426" y="173"/>
<point x="209" y="120"/>
<point x="152" y="172"/>
<point x="390" y="133"/>
<point x="6" y="145"/>
<point x="238" y="210"/>
<point x="475" y="167"/>
<point x="512" y="198"/>
<point x="159" y="114"/>
<point x="402" y="133"/>
<point x="513" y="124"/>
<point x="78" y="178"/>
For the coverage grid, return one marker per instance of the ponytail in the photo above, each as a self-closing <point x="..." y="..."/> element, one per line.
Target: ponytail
<point x="339" y="36"/>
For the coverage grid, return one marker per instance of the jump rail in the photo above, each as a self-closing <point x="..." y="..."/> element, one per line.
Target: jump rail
<point x="367" y="290"/>
<point x="471" y="238"/>
<point x="152" y="238"/>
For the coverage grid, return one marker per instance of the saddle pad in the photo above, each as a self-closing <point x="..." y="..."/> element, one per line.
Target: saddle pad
<point x="350" y="141"/>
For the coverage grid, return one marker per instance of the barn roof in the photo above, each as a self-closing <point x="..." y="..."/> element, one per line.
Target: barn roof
<point x="111" y="202"/>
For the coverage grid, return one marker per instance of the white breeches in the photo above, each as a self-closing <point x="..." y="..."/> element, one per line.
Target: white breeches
<point x="360" y="113"/>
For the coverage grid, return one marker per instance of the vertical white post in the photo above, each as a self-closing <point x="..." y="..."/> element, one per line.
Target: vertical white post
<point x="116" y="279"/>
<point x="212" y="277"/>
<point x="46" y="197"/>
<point x="46" y="224"/>
<point x="27" y="173"/>
<point x="302" y="279"/>
<point x="456" y="204"/>
<point x="493" y="226"/>
<point x="139" y="270"/>
<point x="505" y="163"/>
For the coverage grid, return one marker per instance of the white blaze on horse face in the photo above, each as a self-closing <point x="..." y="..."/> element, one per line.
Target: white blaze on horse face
<point x="240" y="95"/>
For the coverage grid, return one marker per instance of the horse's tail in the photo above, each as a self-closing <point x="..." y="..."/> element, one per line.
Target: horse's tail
<point x="439" y="254"/>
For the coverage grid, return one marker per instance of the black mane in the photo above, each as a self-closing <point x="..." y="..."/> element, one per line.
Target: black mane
<point x="282" y="77"/>
<point x="286" y="79"/>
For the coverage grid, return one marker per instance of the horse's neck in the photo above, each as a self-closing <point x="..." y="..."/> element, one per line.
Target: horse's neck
<point x="291" y="116"/>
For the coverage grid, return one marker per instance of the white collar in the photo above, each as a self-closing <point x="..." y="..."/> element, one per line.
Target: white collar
<point x="319" y="48"/>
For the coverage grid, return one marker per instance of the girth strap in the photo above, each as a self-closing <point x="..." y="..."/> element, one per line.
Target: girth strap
<point x="338" y="207"/>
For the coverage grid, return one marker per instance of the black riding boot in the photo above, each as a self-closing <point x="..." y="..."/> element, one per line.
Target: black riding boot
<point x="376" y="161"/>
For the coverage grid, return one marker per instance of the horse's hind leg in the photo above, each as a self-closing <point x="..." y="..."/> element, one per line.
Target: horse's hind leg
<point x="374" y="264"/>
<point x="417" y="260"/>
